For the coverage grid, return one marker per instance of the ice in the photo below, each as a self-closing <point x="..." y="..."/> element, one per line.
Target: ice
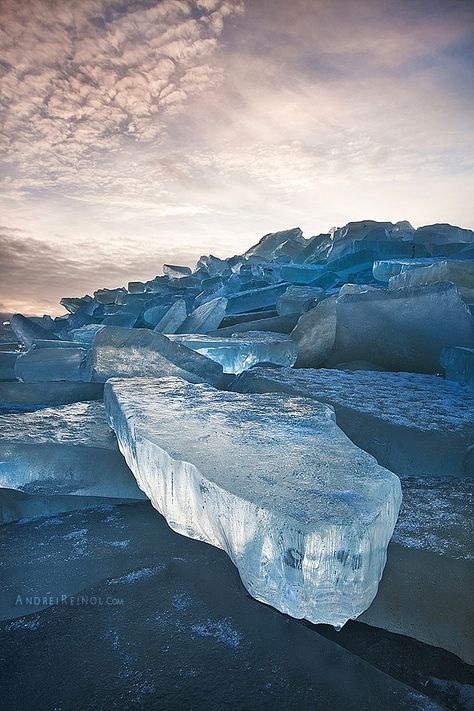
<point x="413" y="424"/>
<point x="443" y="233"/>
<point x="173" y="318"/>
<point x="275" y="324"/>
<point x="307" y="525"/>
<point x="373" y="230"/>
<point x="253" y="299"/>
<point x="238" y="354"/>
<point x="400" y="330"/>
<point x="85" y="335"/>
<point x="302" y="273"/>
<point x="127" y="319"/>
<point x="27" y="330"/>
<point x="52" y="364"/>
<point x="384" y="269"/>
<point x="126" y="353"/>
<point x="459" y="272"/>
<point x="425" y="589"/>
<point x="269" y="243"/>
<point x="63" y="450"/>
<point x="30" y="396"/>
<point x="458" y="364"/>
<point x="297" y="299"/>
<point x="176" y="272"/>
<point x="213" y="265"/>
<point x="7" y="365"/>
<point x="108" y="296"/>
<point x="136" y="287"/>
<point x="205" y="318"/>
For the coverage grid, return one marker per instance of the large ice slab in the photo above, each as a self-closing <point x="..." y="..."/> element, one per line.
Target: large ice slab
<point x="63" y="450"/>
<point x="238" y="354"/>
<point x="275" y="324"/>
<point x="460" y="272"/>
<point x="403" y="329"/>
<point x="53" y="364"/>
<point x="127" y="353"/>
<point x="413" y="424"/>
<point x="302" y="512"/>
<point x="458" y="364"/>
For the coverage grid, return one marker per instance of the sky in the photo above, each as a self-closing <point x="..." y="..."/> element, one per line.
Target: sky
<point x="140" y="132"/>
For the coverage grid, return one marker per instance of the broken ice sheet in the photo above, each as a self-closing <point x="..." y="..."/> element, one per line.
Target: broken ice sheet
<point x="307" y="525"/>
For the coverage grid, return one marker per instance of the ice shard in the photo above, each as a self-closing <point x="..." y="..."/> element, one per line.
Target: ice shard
<point x="238" y="354"/>
<point x="127" y="353"/>
<point x="205" y="318"/>
<point x="253" y="299"/>
<point x="269" y="243"/>
<point x="458" y="364"/>
<point x="63" y="450"/>
<point x="306" y="523"/>
<point x="413" y="424"/>
<point x="176" y="271"/>
<point x="173" y="318"/>
<point x="400" y="330"/>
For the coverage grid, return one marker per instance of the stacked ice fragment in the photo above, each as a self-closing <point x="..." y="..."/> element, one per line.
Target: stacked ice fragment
<point x="220" y="383"/>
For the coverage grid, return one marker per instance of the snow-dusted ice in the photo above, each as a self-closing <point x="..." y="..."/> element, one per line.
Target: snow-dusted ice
<point x="413" y="424"/>
<point x="303" y="513"/>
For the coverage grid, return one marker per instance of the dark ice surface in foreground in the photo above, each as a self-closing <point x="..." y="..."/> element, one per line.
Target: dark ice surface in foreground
<point x="185" y="634"/>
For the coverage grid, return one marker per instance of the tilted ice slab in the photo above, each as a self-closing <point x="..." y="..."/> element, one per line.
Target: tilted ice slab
<point x="122" y="352"/>
<point x="303" y="513"/>
<point x="460" y="272"/>
<point x="413" y="424"/>
<point x="238" y="354"/>
<point x="63" y="450"/>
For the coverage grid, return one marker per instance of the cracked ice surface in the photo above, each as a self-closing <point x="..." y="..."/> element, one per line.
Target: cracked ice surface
<point x="306" y="524"/>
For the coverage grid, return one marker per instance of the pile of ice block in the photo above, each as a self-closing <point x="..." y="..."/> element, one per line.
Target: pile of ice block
<point x="269" y="404"/>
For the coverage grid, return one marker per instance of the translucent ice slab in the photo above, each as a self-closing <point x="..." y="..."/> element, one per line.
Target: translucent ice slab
<point x="303" y="513"/>
<point x="63" y="450"/>
<point x="238" y="354"/>
<point x="460" y="272"/>
<point x="127" y="353"/>
<point x="205" y="318"/>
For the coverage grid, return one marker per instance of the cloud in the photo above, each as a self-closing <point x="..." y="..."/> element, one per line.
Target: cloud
<point x="84" y="82"/>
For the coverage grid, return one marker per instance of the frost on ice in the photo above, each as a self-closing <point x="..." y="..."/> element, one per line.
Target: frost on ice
<point x="303" y="513"/>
